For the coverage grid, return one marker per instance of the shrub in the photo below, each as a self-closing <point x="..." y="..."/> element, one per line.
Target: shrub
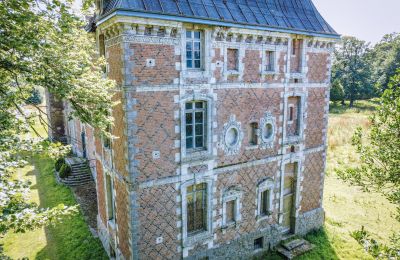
<point x="65" y="171"/>
<point x="59" y="163"/>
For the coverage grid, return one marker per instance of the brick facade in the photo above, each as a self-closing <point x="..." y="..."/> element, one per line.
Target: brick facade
<point x="152" y="167"/>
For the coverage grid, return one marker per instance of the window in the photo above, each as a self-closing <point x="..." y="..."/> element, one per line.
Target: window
<point x="233" y="57"/>
<point x="258" y="243"/>
<point x="265" y="210"/>
<point x="193" y="49"/>
<point x="291" y="113"/>
<point x="264" y="198"/>
<point x="294" y="47"/>
<point x="269" y="61"/>
<point x="195" y="116"/>
<point x="253" y="135"/>
<point x="110" y="197"/>
<point x="106" y="138"/>
<point x="196" y="197"/>
<point x="231" y="211"/>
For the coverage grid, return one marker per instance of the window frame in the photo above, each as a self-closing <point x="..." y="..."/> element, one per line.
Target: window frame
<point x="191" y="239"/>
<point x="270" y="56"/>
<point x="194" y="194"/>
<point x="266" y="185"/>
<point x="192" y="111"/>
<point x="231" y="194"/>
<point x="236" y="69"/>
<point x="254" y="133"/>
<point x="192" y="40"/>
<point x="110" y="196"/>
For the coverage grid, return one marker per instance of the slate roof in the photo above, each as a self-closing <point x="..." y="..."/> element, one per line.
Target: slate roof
<point x="298" y="15"/>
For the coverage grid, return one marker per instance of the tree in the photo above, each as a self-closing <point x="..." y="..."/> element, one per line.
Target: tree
<point x="351" y="69"/>
<point x="42" y="44"/>
<point x="385" y="60"/>
<point x="337" y="92"/>
<point x="379" y="169"/>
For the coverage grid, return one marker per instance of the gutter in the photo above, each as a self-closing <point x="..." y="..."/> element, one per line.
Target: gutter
<point x="129" y="13"/>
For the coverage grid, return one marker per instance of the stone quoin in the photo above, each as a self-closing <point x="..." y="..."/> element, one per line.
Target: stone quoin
<point x="220" y="126"/>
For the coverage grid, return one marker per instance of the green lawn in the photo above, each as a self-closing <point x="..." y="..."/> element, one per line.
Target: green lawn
<point x="70" y="239"/>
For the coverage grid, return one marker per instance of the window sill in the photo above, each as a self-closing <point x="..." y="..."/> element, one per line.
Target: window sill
<point x="232" y="72"/>
<point x="233" y="224"/>
<point x="269" y="73"/>
<point x="197" y="156"/>
<point x="190" y="240"/>
<point x="251" y="147"/>
<point x="264" y="217"/>
<point x="111" y="223"/>
<point x="194" y="73"/>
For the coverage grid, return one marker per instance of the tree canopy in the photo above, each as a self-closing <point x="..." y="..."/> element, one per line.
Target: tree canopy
<point x="42" y="44"/>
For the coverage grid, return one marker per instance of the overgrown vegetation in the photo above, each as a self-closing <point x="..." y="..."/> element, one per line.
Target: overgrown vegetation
<point x="70" y="239"/>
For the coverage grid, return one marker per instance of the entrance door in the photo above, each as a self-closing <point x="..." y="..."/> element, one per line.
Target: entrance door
<point x="83" y="137"/>
<point x="289" y="197"/>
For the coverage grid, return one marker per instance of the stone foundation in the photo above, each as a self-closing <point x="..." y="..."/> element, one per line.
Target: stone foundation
<point x="309" y="221"/>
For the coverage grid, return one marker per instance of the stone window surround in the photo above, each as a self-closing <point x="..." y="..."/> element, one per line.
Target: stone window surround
<point x="232" y="194"/>
<point x="301" y="114"/>
<point x="264" y="61"/>
<point x="240" y="65"/>
<point x="257" y="133"/>
<point x="191" y="240"/>
<point x="209" y="100"/>
<point x="205" y="53"/>
<point x="267" y="184"/>
<point x="232" y="149"/>
<point x="110" y="221"/>
<point x="290" y="121"/>
<point x="268" y="118"/>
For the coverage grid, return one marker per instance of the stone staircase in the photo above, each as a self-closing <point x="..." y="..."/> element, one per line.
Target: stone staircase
<point x="293" y="247"/>
<point x="80" y="172"/>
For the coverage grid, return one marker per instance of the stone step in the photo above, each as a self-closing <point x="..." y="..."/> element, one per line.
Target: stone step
<point x="80" y="171"/>
<point x="75" y="183"/>
<point x="293" y="244"/>
<point x="298" y="247"/>
<point x="78" y="178"/>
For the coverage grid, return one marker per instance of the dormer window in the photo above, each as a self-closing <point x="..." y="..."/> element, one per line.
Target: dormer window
<point x="193" y="49"/>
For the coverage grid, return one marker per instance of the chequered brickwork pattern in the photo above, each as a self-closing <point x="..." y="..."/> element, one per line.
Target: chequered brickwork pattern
<point x="101" y="195"/>
<point x="292" y="126"/>
<point x="156" y="132"/>
<point x="218" y="57"/>
<point x="312" y="182"/>
<point x="318" y="67"/>
<point x="247" y="180"/>
<point x="164" y="70"/>
<point x="122" y="216"/>
<point x="248" y="105"/>
<point x="252" y="62"/>
<point x="315" y="120"/>
<point x="157" y="218"/>
<point x="118" y="130"/>
<point x="114" y="61"/>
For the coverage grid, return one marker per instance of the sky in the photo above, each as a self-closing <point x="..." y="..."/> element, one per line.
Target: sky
<point x="368" y="20"/>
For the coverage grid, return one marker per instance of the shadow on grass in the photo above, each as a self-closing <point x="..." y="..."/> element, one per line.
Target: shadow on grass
<point x="70" y="239"/>
<point x="323" y="248"/>
<point x="359" y="106"/>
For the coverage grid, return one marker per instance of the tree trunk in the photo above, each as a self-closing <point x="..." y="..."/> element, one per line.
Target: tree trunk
<point x="343" y="104"/>
<point x="351" y="102"/>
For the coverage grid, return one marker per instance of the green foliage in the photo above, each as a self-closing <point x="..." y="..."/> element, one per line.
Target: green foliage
<point x="65" y="171"/>
<point x="35" y="98"/>
<point x="337" y="91"/>
<point x="352" y="70"/>
<point x="42" y="45"/>
<point x="67" y="240"/>
<point x="376" y="249"/>
<point x="59" y="163"/>
<point x="385" y="60"/>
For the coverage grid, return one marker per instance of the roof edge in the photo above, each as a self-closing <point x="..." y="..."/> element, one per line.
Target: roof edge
<point x="196" y="20"/>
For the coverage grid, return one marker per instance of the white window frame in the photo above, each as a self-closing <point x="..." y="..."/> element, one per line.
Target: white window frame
<point x="189" y="240"/>
<point x="266" y="185"/>
<point x="207" y="151"/>
<point x="193" y="110"/>
<point x="193" y="40"/>
<point x="232" y="194"/>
